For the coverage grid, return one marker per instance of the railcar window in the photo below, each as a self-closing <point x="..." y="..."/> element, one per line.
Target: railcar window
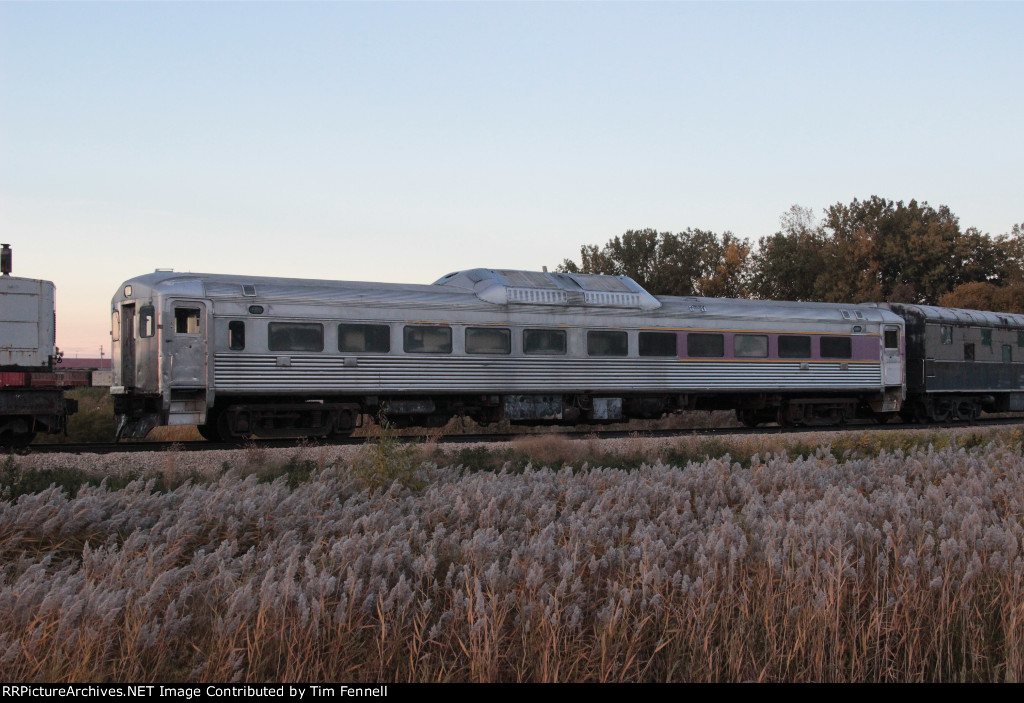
<point x="295" y="336"/>
<point x="892" y="339"/>
<point x="236" y="335"/>
<point x="750" y="345"/>
<point x="364" y="338"/>
<point x="426" y="339"/>
<point x="115" y="326"/>
<point x="708" y="345"/>
<point x="1007" y="352"/>
<point x="607" y="343"/>
<point x="657" y="343"/>
<point x="968" y="351"/>
<point x="488" y="340"/>
<point x="147" y="321"/>
<point x="1020" y="338"/>
<point x="947" y="334"/>
<point x="836" y="347"/>
<point x="544" y="341"/>
<point x="986" y="337"/>
<point x="794" y="346"/>
<point x="186" y="320"/>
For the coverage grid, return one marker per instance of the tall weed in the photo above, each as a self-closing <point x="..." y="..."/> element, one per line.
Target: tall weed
<point x="868" y="559"/>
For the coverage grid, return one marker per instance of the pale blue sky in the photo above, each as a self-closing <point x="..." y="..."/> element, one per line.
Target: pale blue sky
<point x="402" y="141"/>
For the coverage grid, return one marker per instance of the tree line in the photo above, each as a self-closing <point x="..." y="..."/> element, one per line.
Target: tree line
<point x="866" y="251"/>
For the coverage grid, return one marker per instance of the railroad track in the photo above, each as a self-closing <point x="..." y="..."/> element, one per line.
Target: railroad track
<point x="202" y="445"/>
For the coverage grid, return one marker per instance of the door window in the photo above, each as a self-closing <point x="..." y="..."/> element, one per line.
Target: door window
<point x="186" y="320"/>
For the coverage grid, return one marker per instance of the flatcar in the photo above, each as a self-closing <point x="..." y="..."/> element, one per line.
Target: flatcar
<point x="239" y="355"/>
<point x="32" y="396"/>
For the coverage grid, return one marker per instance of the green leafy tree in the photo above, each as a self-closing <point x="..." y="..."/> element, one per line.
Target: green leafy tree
<point x="976" y="295"/>
<point x="788" y="263"/>
<point x="880" y="250"/>
<point x="997" y="265"/>
<point x="1009" y="256"/>
<point x="694" y="262"/>
<point x="865" y="251"/>
<point x="880" y="246"/>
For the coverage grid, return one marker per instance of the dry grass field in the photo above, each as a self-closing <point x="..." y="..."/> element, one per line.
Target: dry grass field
<point x="827" y="557"/>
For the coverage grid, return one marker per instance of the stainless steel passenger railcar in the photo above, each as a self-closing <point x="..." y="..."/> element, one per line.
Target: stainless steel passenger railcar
<point x="240" y="355"/>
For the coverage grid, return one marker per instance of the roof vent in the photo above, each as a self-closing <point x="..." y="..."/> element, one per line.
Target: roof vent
<point x="542" y="288"/>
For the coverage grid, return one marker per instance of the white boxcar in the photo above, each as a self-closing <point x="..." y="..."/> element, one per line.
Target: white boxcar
<point x="26" y="323"/>
<point x="239" y="355"/>
<point x="30" y="400"/>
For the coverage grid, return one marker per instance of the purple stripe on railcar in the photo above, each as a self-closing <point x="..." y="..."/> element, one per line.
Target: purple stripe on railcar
<point x="867" y="348"/>
<point x="863" y="347"/>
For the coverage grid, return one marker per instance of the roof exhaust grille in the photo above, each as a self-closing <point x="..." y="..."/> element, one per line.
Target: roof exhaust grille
<point x="542" y="288"/>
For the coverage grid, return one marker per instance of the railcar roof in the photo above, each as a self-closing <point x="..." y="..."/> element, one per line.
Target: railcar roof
<point x="16" y="284"/>
<point x="529" y="289"/>
<point x="957" y="316"/>
<point x="742" y="307"/>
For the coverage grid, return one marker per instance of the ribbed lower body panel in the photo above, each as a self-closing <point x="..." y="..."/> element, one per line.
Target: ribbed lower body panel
<point x="371" y="375"/>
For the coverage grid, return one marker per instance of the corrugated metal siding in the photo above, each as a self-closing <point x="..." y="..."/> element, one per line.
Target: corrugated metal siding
<point x="247" y="373"/>
<point x="971" y="376"/>
<point x="12" y="378"/>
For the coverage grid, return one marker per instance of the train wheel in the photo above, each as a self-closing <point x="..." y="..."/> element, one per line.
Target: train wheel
<point x="216" y="429"/>
<point x="913" y="413"/>
<point x="16" y="440"/>
<point x="224" y="430"/>
<point x="209" y="433"/>
<point x="790" y="415"/>
<point x="883" y="418"/>
<point x="941" y="411"/>
<point x="343" y="425"/>
<point x="747" y="418"/>
<point x="967" y="410"/>
<point x="340" y="431"/>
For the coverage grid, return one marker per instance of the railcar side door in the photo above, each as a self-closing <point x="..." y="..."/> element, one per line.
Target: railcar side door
<point x="128" y="345"/>
<point x="892" y="357"/>
<point x="185" y="344"/>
